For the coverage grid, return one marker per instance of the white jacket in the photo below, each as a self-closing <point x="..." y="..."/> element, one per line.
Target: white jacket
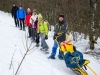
<point x="33" y="19"/>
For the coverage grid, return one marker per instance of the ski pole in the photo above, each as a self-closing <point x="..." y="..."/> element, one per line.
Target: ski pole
<point x="92" y="70"/>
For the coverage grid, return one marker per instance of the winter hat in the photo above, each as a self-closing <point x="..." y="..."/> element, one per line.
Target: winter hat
<point x="34" y="10"/>
<point x="39" y="15"/>
<point x="28" y="10"/>
<point x="61" y="15"/>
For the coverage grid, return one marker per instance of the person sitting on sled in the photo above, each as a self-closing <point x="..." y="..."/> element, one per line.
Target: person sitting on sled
<point x="72" y="57"/>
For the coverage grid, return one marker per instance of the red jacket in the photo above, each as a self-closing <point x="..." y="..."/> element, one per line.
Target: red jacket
<point x="27" y="19"/>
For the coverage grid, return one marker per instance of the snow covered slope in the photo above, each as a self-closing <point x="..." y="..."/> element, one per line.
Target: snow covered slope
<point x="35" y="63"/>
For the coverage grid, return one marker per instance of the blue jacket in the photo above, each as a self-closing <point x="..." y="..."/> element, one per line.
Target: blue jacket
<point x="21" y="14"/>
<point x="71" y="64"/>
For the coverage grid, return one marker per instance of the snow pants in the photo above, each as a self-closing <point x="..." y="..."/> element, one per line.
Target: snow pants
<point x="30" y="31"/>
<point x="33" y="33"/>
<point x="54" y="50"/>
<point x="16" y="21"/>
<point x="43" y="42"/>
<point x="22" y="23"/>
<point x="37" y="38"/>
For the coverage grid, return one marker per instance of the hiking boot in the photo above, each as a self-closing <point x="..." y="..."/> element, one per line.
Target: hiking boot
<point x="51" y="57"/>
<point x="46" y="49"/>
<point x="37" y="45"/>
<point x="20" y="29"/>
<point x="41" y="48"/>
<point x="33" y="40"/>
<point x="23" y="29"/>
<point x="60" y="57"/>
<point x="29" y="37"/>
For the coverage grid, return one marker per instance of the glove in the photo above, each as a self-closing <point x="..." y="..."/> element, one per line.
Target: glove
<point x="38" y="33"/>
<point x="46" y="37"/>
<point x="54" y="37"/>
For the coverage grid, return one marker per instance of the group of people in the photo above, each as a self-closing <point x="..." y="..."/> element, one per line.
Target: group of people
<point x="19" y="16"/>
<point x="38" y="28"/>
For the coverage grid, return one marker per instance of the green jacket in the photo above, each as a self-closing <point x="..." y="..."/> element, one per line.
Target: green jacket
<point x="43" y="27"/>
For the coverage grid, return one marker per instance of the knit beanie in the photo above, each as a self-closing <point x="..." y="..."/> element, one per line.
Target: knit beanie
<point x="34" y="10"/>
<point x="61" y="15"/>
<point x="28" y="10"/>
<point x="39" y="15"/>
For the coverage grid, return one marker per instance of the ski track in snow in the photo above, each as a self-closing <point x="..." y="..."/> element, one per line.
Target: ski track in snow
<point x="35" y="63"/>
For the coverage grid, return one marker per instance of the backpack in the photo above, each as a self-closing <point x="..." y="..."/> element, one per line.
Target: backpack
<point x="77" y="59"/>
<point x="74" y="60"/>
<point x="48" y="25"/>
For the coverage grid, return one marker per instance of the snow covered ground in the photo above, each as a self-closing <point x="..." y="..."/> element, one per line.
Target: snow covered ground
<point x="35" y="63"/>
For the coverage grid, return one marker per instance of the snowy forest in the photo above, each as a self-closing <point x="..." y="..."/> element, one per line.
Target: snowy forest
<point x="82" y="16"/>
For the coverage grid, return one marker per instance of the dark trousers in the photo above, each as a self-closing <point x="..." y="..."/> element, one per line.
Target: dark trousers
<point x="33" y="33"/>
<point x="30" y="31"/>
<point x="22" y="23"/>
<point x="37" y="38"/>
<point x="16" y="21"/>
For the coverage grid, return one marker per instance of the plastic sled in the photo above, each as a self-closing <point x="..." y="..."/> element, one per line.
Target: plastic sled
<point x="83" y="68"/>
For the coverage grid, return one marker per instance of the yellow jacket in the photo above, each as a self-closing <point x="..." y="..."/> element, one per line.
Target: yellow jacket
<point x="67" y="45"/>
<point x="43" y="27"/>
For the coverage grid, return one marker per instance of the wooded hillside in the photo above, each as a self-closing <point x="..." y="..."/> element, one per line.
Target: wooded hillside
<point x="82" y="16"/>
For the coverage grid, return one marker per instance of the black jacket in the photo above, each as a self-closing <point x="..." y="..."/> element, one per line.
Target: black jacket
<point x="14" y="11"/>
<point x="60" y="27"/>
<point x="60" y="31"/>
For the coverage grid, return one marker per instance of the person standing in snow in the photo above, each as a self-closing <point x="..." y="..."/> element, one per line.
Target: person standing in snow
<point x="14" y="14"/>
<point x="21" y="16"/>
<point x="34" y="21"/>
<point x="27" y="21"/>
<point x="60" y="31"/>
<point x="43" y="31"/>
